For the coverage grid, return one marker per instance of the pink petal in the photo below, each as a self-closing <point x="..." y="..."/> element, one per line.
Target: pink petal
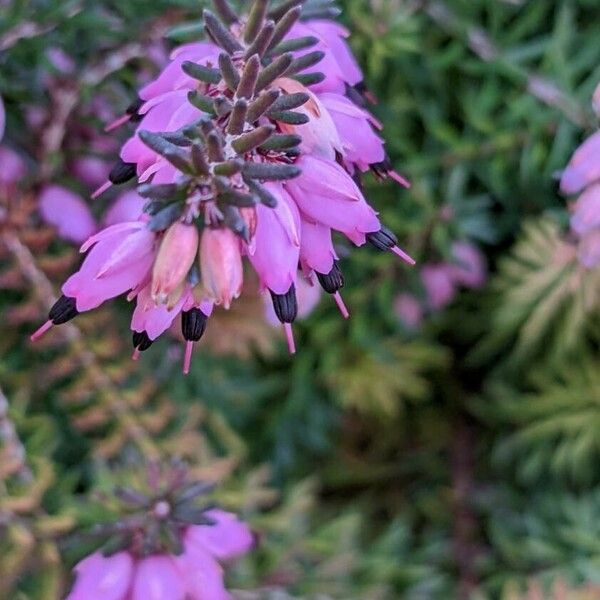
<point x="227" y="539"/>
<point x="316" y="252"/>
<point x="101" y="578"/>
<point x="584" y="167"/>
<point x="469" y="267"/>
<point x="409" y="310"/>
<point x="326" y="194"/>
<point x="439" y="285"/>
<point x="276" y="243"/>
<point x="361" y="145"/>
<point x="127" y="207"/>
<point x="67" y="212"/>
<point x="586" y="215"/>
<point x="201" y="573"/>
<point x="158" y="578"/>
<point x="91" y="291"/>
<point x="589" y="249"/>
<point x="152" y="318"/>
<point x="12" y="168"/>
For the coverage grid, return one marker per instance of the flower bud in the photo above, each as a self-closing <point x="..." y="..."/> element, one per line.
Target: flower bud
<point x="175" y="258"/>
<point x="221" y="265"/>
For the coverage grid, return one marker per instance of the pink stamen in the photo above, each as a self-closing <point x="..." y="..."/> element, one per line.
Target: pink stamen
<point x="105" y="186"/>
<point x="41" y="331"/>
<point x="405" y="257"/>
<point x="371" y="97"/>
<point x="289" y="334"/>
<point x="136" y="354"/>
<point x="117" y="123"/>
<point x="399" y="179"/>
<point x="341" y="305"/>
<point x="187" y="360"/>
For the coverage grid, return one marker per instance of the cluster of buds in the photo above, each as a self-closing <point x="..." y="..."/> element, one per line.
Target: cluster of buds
<point x="165" y="547"/>
<point x="582" y="176"/>
<point x="251" y="144"/>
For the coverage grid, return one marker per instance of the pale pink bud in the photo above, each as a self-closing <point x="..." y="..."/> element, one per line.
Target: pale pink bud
<point x="221" y="265"/>
<point x="175" y="258"/>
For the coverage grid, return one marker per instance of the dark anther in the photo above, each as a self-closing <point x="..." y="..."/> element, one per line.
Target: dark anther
<point x="64" y="310"/>
<point x="141" y="341"/>
<point x="193" y="324"/>
<point x="286" y="305"/>
<point x="381" y="169"/>
<point x="333" y="281"/>
<point x="134" y="107"/>
<point x="356" y="95"/>
<point x="122" y="172"/>
<point x="383" y="239"/>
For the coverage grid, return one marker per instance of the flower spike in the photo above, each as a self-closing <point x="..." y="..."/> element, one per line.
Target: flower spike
<point x="249" y="147"/>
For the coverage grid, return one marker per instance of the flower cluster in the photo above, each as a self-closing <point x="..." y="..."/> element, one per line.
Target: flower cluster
<point x="166" y="548"/>
<point x="441" y="282"/>
<point x="582" y="176"/>
<point x="249" y="145"/>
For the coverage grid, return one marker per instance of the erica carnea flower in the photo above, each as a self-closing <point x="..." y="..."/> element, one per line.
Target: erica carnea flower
<point x="249" y="146"/>
<point x="582" y="176"/>
<point x="167" y="548"/>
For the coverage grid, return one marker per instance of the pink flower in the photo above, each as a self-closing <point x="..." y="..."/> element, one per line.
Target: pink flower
<point x="326" y="194"/>
<point x="409" y="311"/>
<point x="276" y="249"/>
<point x="469" y="267"/>
<point x="584" y="167"/>
<point x="255" y="151"/>
<point x="361" y="145"/>
<point x="175" y="258"/>
<point x="102" y="578"/>
<point x="66" y="211"/>
<point x="91" y="170"/>
<point x="439" y="285"/>
<point x="127" y="207"/>
<point x="589" y="249"/>
<point x="221" y="265"/>
<point x="195" y="574"/>
<point x="13" y="167"/>
<point x="120" y="260"/>
<point x="586" y="215"/>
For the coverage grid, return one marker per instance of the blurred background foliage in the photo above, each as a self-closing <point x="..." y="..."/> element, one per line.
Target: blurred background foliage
<point x="455" y="459"/>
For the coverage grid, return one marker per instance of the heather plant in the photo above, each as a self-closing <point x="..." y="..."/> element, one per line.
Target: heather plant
<point x="215" y="176"/>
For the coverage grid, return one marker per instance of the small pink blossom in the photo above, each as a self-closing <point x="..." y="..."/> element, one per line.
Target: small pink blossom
<point x="409" y="311"/>
<point x="13" y="167"/>
<point x="584" y="167"/>
<point x="195" y="574"/>
<point x="66" y="211"/>
<point x="439" y="285"/>
<point x="469" y="266"/>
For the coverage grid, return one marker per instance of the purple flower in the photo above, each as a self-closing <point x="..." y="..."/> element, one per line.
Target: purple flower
<point x="196" y="573"/>
<point x="248" y="153"/>
<point x="439" y="283"/>
<point x="409" y="310"/>
<point x="469" y="267"/>
<point x="584" y="167"/>
<point x="13" y="167"/>
<point x="67" y="212"/>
